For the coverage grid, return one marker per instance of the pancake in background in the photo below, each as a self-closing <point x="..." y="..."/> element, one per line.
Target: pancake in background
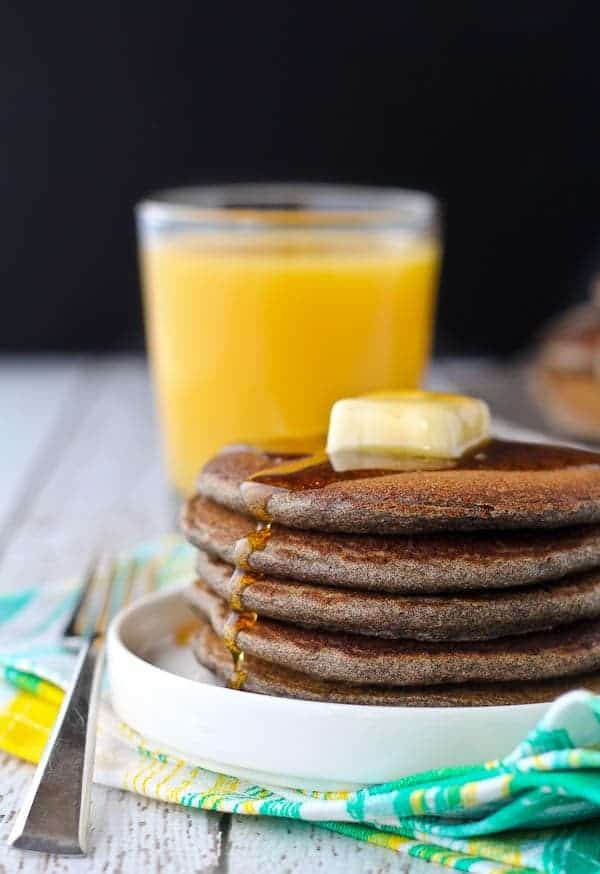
<point x="566" y="373"/>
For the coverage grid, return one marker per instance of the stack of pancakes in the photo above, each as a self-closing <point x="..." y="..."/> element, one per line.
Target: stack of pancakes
<point x="474" y="583"/>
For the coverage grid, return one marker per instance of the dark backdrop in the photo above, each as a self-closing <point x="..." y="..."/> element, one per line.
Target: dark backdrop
<point x="493" y="106"/>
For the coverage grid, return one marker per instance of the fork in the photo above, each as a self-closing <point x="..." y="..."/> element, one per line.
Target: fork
<point x="55" y="814"/>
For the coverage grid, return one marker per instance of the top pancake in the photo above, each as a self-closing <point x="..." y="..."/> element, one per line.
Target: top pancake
<point x="503" y="485"/>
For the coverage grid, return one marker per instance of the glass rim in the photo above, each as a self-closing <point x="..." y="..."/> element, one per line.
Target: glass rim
<point x="292" y="203"/>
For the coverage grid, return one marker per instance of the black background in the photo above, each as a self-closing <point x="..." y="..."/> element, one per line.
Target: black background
<point x="492" y="106"/>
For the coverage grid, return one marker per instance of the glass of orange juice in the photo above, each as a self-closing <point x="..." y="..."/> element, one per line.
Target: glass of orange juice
<point x="266" y="303"/>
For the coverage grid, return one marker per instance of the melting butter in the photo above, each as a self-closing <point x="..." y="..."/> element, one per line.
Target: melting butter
<point x="419" y="423"/>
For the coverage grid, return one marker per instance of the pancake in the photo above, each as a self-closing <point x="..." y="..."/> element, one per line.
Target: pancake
<point x="501" y="485"/>
<point x="427" y="563"/>
<point x="331" y="655"/>
<point x="269" y="679"/>
<point x="476" y="616"/>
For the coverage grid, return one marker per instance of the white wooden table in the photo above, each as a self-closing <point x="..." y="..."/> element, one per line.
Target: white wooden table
<point x="80" y="469"/>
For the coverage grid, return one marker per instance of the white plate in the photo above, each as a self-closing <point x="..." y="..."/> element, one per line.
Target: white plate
<point x="159" y="689"/>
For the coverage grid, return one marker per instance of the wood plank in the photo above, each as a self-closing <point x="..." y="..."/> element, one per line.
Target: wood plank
<point x="100" y="485"/>
<point x="94" y="481"/>
<point x="260" y="846"/>
<point x="33" y="394"/>
<point x="130" y="834"/>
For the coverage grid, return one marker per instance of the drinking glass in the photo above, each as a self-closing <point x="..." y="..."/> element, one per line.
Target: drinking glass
<point x="266" y="303"/>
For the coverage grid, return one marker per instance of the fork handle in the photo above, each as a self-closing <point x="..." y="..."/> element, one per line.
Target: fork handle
<point x="55" y="814"/>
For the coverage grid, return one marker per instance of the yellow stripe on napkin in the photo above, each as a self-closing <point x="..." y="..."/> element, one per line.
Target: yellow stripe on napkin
<point x="26" y="723"/>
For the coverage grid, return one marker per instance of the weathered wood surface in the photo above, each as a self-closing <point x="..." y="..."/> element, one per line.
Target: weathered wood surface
<point x="80" y="470"/>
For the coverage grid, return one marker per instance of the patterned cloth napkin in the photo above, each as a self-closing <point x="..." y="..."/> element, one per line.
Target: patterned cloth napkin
<point x="536" y="810"/>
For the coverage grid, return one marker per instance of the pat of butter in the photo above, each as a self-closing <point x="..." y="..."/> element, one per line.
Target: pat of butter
<point x="420" y="423"/>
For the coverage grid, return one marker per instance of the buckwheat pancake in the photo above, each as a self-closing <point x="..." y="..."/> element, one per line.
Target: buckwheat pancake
<point x="330" y="655"/>
<point x="427" y="563"/>
<point x="475" y="616"/>
<point x="270" y="679"/>
<point x="503" y="484"/>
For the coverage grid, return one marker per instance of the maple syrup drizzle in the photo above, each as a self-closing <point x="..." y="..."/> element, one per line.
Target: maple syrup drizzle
<point x="185" y="632"/>
<point x="239" y="582"/>
<point x="239" y="675"/>
<point x="255" y="541"/>
<point x="256" y="498"/>
<point x="239" y="618"/>
<point x="235" y="623"/>
<point x="317" y="470"/>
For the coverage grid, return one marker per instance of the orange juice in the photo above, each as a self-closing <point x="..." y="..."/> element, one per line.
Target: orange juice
<point x="253" y="338"/>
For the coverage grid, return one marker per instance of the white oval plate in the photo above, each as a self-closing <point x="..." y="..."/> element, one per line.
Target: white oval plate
<point x="158" y="688"/>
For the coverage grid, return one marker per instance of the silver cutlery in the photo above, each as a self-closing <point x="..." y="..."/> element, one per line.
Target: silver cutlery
<point x="55" y="814"/>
